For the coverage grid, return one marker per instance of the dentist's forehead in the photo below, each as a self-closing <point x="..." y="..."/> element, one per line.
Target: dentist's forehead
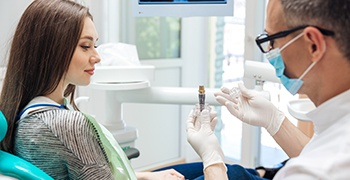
<point x="274" y="17"/>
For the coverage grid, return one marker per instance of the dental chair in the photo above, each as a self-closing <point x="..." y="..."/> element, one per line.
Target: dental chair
<point x="13" y="166"/>
<point x="131" y="152"/>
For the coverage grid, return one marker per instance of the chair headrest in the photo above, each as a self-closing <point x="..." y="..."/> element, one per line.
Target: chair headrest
<point x="3" y="126"/>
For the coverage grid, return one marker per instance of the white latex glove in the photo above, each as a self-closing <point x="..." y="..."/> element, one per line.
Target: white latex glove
<point x="252" y="108"/>
<point x="201" y="136"/>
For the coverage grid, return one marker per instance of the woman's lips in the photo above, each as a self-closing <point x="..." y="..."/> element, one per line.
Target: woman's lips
<point x="90" y="71"/>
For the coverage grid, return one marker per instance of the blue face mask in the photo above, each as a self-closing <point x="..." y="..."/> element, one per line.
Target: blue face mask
<point x="275" y="58"/>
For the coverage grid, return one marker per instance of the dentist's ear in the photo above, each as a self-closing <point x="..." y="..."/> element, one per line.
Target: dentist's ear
<point x="316" y="41"/>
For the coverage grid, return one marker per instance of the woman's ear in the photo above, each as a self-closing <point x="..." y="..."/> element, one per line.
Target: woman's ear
<point x="316" y="43"/>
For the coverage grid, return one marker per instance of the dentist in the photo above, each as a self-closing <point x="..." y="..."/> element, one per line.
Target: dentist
<point x="307" y="42"/>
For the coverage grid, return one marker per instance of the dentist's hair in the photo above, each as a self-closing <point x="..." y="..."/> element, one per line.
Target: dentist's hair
<point x="329" y="14"/>
<point x="41" y="50"/>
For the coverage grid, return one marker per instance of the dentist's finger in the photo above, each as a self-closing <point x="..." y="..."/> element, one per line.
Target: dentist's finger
<point x="222" y="100"/>
<point x="190" y="121"/>
<point x="246" y="92"/>
<point x="213" y="123"/>
<point x="213" y="114"/>
<point x="227" y="96"/>
<point x="225" y="90"/>
<point x="220" y="93"/>
<point x="233" y="109"/>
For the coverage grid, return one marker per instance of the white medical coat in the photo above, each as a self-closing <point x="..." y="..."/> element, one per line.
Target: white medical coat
<point x="327" y="155"/>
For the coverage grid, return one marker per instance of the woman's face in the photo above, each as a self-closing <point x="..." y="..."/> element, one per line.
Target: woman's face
<point x="85" y="56"/>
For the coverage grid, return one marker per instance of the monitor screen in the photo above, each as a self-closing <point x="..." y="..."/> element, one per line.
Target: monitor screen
<point x="183" y="1"/>
<point x="183" y="8"/>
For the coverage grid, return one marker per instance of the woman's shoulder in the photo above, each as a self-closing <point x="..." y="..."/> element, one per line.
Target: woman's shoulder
<point x="58" y="121"/>
<point x="64" y="138"/>
<point x="54" y="115"/>
<point x="68" y="127"/>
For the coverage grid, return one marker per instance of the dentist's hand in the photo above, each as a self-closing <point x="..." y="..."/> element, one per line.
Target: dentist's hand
<point x="252" y="108"/>
<point x="202" y="138"/>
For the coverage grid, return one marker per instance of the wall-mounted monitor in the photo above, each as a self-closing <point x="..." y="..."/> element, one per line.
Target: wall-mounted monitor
<point x="183" y="8"/>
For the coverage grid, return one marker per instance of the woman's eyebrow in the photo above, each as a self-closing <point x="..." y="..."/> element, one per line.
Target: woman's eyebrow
<point x="89" y="38"/>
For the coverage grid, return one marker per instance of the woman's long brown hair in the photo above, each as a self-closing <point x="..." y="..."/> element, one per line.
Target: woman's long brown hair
<point x="42" y="48"/>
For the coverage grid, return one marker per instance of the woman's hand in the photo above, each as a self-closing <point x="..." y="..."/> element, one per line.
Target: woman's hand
<point x="169" y="174"/>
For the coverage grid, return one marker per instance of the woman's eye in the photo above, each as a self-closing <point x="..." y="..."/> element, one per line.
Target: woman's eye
<point x="85" y="47"/>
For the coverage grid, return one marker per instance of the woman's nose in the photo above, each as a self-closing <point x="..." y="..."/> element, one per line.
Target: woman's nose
<point x="95" y="58"/>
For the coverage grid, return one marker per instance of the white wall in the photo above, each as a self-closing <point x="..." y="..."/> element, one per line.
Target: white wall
<point x="10" y="13"/>
<point x="106" y="18"/>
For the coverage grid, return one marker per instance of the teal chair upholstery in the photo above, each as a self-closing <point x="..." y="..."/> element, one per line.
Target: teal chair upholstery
<point x="13" y="166"/>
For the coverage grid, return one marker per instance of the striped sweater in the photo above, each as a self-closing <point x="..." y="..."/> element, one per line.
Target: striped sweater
<point x="63" y="144"/>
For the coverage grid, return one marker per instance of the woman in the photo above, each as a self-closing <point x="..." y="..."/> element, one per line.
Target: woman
<point x="53" y="50"/>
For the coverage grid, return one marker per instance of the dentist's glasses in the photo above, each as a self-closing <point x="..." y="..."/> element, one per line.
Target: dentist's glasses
<point x="266" y="42"/>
